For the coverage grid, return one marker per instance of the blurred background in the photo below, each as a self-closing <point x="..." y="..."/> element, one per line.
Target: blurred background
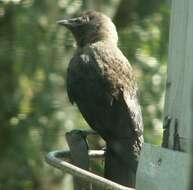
<point x="34" y="53"/>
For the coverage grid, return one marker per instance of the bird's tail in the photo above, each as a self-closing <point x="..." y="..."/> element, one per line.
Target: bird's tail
<point x="120" y="166"/>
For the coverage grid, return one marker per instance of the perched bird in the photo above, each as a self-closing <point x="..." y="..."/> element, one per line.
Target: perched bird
<point x="101" y="82"/>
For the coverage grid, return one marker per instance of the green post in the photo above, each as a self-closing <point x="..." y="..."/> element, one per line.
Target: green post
<point x="169" y="168"/>
<point x="178" y="100"/>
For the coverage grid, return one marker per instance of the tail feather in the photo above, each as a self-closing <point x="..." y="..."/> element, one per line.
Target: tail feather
<point x="120" y="166"/>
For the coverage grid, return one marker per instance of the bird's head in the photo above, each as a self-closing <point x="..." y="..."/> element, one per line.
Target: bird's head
<point x="91" y="27"/>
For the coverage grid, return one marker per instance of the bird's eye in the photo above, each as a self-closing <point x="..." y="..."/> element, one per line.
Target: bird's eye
<point x="91" y="17"/>
<point x="78" y="20"/>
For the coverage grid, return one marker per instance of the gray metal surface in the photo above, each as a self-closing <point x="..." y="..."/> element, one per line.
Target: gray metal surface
<point x="162" y="169"/>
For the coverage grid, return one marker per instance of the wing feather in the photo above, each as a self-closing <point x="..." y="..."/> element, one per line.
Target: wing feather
<point x="104" y="88"/>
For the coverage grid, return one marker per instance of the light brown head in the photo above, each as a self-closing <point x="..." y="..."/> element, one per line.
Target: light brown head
<point x="91" y="27"/>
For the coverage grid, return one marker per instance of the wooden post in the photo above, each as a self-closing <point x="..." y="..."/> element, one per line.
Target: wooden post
<point x="180" y="74"/>
<point x="191" y="168"/>
<point x="161" y="168"/>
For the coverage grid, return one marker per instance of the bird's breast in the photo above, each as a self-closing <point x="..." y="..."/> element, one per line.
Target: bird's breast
<point x="86" y="78"/>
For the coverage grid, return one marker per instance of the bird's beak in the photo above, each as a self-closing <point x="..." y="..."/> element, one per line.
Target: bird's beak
<point x="69" y="23"/>
<point x="63" y="22"/>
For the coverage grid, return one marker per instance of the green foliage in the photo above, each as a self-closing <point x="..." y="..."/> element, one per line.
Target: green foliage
<point x="35" y="112"/>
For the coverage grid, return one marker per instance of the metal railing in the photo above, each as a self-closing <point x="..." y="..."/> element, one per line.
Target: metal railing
<point x="61" y="158"/>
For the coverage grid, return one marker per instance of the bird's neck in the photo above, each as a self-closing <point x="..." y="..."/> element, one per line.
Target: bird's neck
<point x="87" y="40"/>
<point x="82" y="42"/>
<point x="84" y="39"/>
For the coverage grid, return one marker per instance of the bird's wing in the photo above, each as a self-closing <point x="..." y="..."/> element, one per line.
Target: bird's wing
<point x="101" y="82"/>
<point x="118" y="72"/>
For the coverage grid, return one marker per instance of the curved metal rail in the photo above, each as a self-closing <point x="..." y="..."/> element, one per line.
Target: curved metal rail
<point x="57" y="159"/>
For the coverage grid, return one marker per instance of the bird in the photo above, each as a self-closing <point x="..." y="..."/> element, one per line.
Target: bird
<point x="101" y="82"/>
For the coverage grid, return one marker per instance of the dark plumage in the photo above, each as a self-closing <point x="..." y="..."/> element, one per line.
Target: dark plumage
<point x="100" y="81"/>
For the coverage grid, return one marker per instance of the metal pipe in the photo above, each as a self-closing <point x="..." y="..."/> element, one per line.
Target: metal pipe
<point x="56" y="159"/>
